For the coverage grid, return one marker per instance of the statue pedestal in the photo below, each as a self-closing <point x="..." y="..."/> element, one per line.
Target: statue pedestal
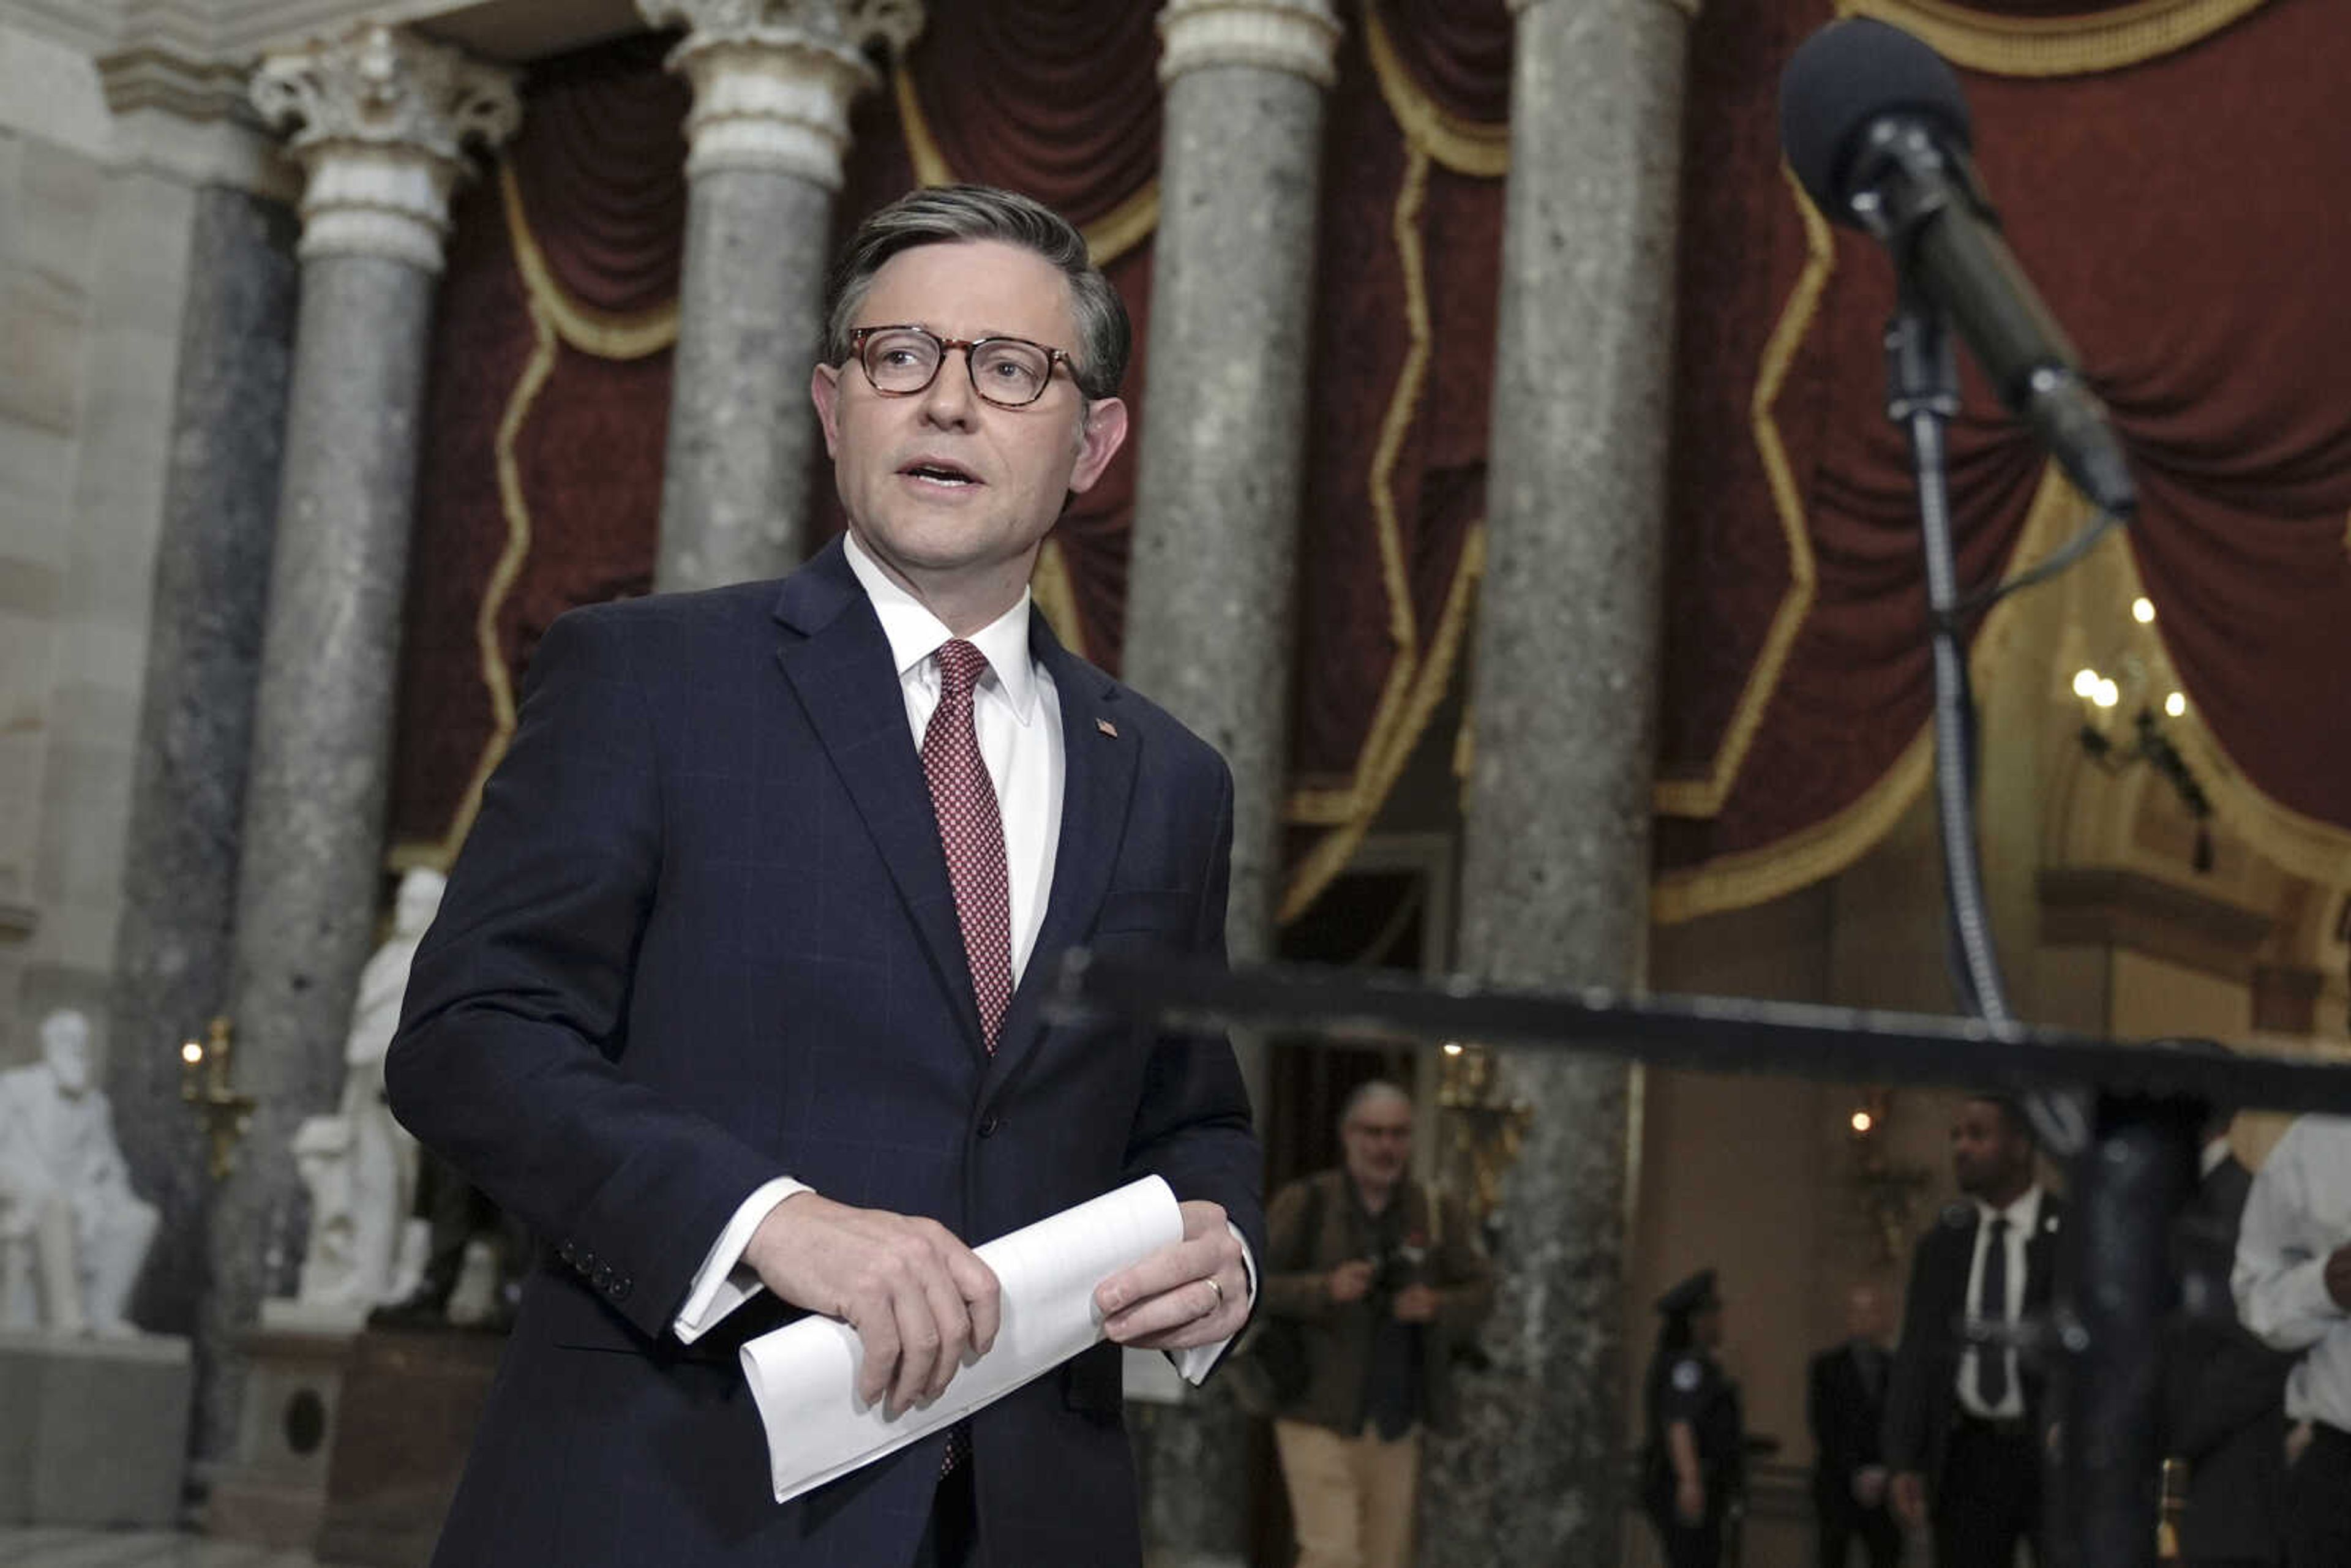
<point x="275" y="1493"/>
<point x="96" y="1430"/>
<point x="411" y="1400"/>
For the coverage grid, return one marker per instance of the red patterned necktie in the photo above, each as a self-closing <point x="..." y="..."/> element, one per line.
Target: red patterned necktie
<point x="971" y="830"/>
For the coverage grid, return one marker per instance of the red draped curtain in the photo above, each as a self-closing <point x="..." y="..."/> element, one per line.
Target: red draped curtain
<point x="2163" y="169"/>
<point x="2166" y="195"/>
<point x="545" y="413"/>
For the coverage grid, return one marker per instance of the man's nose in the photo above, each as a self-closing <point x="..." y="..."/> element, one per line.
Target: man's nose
<point x="951" y="398"/>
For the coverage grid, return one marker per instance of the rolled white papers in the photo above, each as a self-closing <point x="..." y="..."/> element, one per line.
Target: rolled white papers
<point x="803" y="1376"/>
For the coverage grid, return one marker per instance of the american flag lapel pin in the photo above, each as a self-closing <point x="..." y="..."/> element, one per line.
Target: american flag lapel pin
<point x="1107" y="727"/>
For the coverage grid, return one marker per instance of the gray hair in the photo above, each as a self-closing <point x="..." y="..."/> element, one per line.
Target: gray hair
<point x="945" y="215"/>
<point x="1366" y="1093"/>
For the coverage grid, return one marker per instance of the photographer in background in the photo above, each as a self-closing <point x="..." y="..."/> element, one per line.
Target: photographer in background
<point x="1386" y="1283"/>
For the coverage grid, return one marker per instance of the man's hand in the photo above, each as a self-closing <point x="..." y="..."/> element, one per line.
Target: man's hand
<point x="1909" y="1491"/>
<point x="1869" y="1485"/>
<point x="918" y="1298"/>
<point x="1350" y="1281"/>
<point x="1690" y="1503"/>
<point x="1192" y="1292"/>
<point x="1416" y="1304"/>
<point x="2338" y="1276"/>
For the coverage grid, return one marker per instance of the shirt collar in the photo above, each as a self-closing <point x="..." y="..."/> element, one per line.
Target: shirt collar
<point x="2214" y="1153"/>
<point x="915" y="634"/>
<point x="2021" y="1215"/>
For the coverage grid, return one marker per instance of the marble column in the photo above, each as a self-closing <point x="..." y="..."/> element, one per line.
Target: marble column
<point x="773" y="80"/>
<point x="204" y="652"/>
<point x="1210" y="613"/>
<point x="1555" y="869"/>
<point x="1209" y="598"/>
<point x="380" y="120"/>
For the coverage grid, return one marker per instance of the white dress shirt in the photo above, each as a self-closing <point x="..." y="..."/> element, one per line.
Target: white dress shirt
<point x="2023" y="1217"/>
<point x="2297" y="1214"/>
<point x="1017" y="713"/>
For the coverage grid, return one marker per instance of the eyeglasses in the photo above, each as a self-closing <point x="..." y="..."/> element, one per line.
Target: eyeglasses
<point x="1010" y="372"/>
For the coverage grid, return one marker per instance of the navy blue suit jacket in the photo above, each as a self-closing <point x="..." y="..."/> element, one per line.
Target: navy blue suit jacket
<point x="702" y="935"/>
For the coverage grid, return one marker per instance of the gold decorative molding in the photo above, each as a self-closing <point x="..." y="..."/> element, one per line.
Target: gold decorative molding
<point x="2107" y="907"/>
<point x="2083" y="45"/>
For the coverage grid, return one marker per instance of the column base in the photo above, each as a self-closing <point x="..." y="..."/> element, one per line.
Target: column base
<point x="96" y="1431"/>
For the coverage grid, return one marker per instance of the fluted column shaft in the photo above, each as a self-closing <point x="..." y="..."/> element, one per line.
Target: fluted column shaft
<point x="773" y="81"/>
<point x="379" y="120"/>
<point x="1555" y="874"/>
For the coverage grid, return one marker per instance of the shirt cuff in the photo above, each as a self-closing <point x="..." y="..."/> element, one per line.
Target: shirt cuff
<point x="1193" y="1365"/>
<point x="721" y="1283"/>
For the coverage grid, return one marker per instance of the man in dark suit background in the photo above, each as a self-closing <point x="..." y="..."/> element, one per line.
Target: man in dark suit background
<point x="1846" y="1406"/>
<point x="1964" y="1428"/>
<point x="735" y="994"/>
<point x="2223" y="1390"/>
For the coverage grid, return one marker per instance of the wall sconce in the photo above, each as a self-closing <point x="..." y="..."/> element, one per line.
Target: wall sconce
<point x="2131" y="689"/>
<point x="223" y="1113"/>
<point x="1886" y="1192"/>
<point x="1483" y="1129"/>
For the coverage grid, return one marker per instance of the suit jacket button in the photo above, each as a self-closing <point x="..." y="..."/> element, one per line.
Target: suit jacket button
<point x="619" y="1288"/>
<point x="988" y="1123"/>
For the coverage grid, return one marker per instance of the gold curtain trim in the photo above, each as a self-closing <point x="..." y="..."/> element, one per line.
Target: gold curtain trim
<point x="1479" y="149"/>
<point x="555" y="319"/>
<point x="1829" y="846"/>
<point x="1416" y="683"/>
<point x="1332" y="852"/>
<point x="1108" y="237"/>
<point x="1357" y="799"/>
<point x="602" y="333"/>
<point x="1704" y="797"/>
<point x="2056" y="45"/>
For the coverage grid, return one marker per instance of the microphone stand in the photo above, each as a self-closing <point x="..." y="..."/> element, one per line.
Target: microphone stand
<point x="2135" y="1160"/>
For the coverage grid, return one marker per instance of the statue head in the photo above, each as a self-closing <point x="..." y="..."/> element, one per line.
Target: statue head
<point x="417" y="902"/>
<point x="65" y="1045"/>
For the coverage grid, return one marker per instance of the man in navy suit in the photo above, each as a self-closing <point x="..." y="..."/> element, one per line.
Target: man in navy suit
<point x="734" y="996"/>
<point x="1964" y="1421"/>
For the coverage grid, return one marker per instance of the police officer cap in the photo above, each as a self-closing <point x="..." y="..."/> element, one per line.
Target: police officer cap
<point x="1695" y="1294"/>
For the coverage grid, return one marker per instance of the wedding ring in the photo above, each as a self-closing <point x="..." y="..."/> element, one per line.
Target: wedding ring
<point x="1221" y="1293"/>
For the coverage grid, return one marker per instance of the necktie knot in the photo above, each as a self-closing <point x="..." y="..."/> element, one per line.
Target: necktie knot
<point x="960" y="668"/>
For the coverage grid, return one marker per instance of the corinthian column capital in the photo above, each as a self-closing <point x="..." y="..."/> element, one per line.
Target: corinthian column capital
<point x="1300" y="37"/>
<point x="380" y="120"/>
<point x="773" y="80"/>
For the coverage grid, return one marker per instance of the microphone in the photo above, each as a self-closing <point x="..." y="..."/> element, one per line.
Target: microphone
<point x="1874" y="125"/>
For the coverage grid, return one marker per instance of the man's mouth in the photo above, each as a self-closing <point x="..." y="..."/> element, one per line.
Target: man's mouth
<point x="938" y="471"/>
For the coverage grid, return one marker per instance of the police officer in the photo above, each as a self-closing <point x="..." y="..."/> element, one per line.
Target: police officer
<point x="1692" y="1471"/>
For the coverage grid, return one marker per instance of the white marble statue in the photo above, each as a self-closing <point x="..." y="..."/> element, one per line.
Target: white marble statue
<point x="359" y="1164"/>
<point x="72" y="1233"/>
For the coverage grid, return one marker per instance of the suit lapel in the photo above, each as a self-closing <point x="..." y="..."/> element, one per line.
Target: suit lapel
<point x="1097" y="768"/>
<point x="838" y="662"/>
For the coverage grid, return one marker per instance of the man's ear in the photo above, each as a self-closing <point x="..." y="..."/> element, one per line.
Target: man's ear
<point x="824" y="387"/>
<point x="1099" y="439"/>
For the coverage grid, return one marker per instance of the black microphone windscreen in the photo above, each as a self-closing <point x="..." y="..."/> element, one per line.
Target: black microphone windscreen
<point x="1844" y="80"/>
